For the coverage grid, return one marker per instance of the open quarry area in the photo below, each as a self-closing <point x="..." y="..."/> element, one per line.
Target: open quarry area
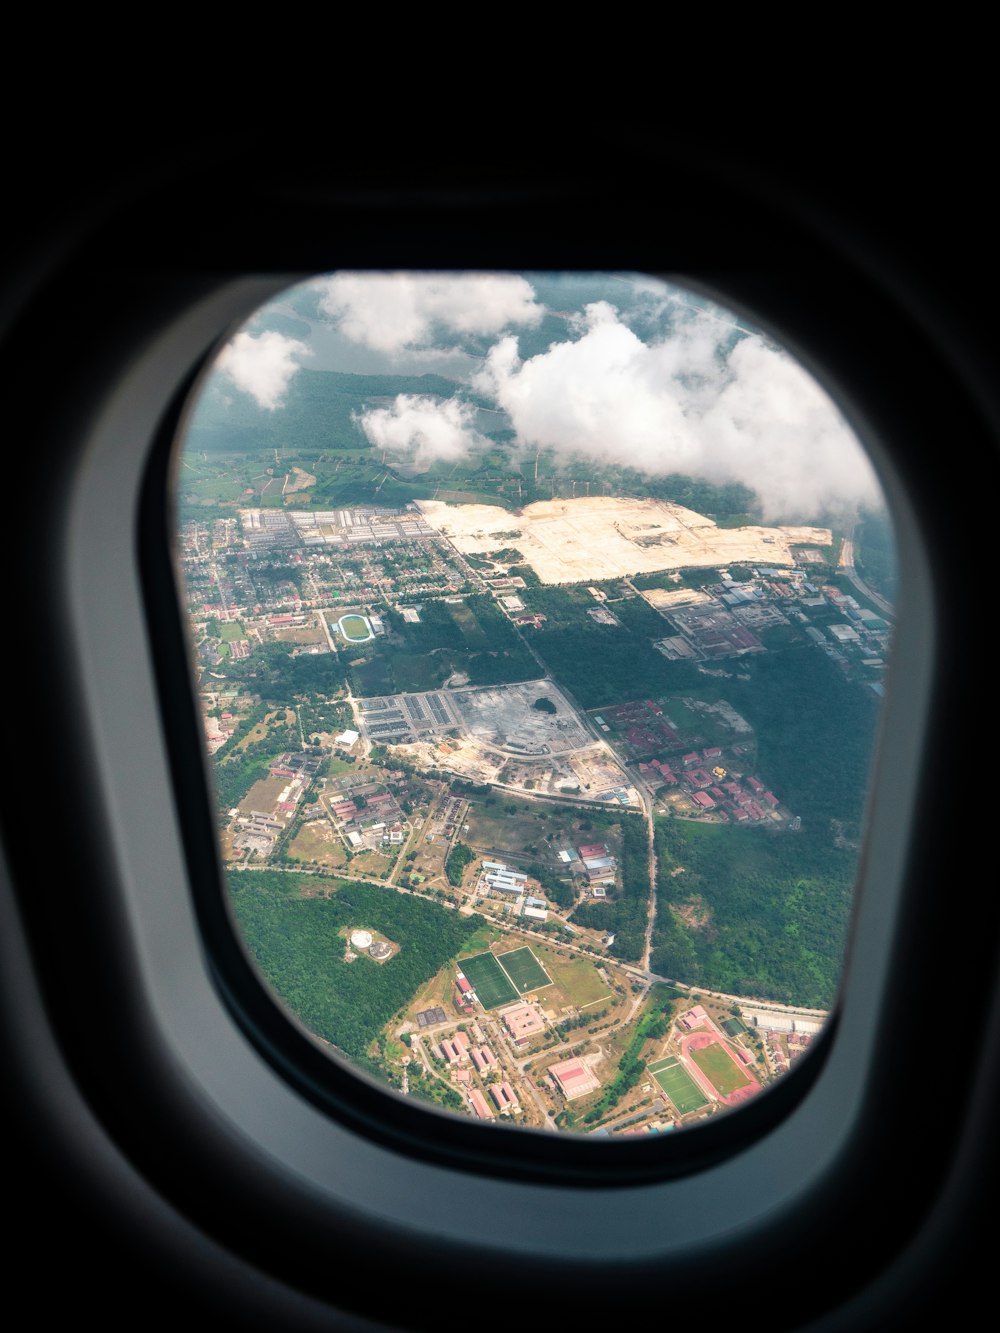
<point x="605" y="537"/>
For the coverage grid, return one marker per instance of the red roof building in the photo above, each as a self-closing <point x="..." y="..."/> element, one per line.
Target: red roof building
<point x="483" y="1059"/>
<point x="574" y="1078"/>
<point x="504" y="1097"/>
<point x="479" y="1105"/>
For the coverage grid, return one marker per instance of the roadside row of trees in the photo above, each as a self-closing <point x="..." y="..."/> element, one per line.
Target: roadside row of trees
<point x="653" y="1026"/>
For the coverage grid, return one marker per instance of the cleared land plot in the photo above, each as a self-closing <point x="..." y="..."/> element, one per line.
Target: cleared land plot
<point x="506" y="832"/>
<point x="317" y="841"/>
<point x="580" y="981"/>
<point x="678" y="1084"/>
<point x="488" y="979"/>
<point x="263" y="795"/>
<point x="524" y="970"/>
<point x="600" y="537"/>
<point x="719" y="1068"/>
<point x="301" y="634"/>
<point x="509" y="826"/>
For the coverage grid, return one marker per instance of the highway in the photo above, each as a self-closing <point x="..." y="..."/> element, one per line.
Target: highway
<point x="846" y="564"/>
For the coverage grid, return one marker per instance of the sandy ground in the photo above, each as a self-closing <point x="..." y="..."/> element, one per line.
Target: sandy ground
<point x="660" y="597"/>
<point x="601" y="537"/>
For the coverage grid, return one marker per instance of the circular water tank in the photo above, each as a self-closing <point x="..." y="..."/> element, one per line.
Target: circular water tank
<point x="361" y="939"/>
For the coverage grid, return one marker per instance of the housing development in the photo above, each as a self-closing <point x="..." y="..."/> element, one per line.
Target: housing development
<point x="511" y="801"/>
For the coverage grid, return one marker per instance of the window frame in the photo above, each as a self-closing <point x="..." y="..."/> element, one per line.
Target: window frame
<point x="247" y="1132"/>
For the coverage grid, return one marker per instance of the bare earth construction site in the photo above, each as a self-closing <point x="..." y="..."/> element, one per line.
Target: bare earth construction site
<point x="500" y="734"/>
<point x="604" y="537"/>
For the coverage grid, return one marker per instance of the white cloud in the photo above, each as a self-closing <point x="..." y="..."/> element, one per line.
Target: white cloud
<point x="392" y="311"/>
<point x="690" y="403"/>
<point x="262" y="365"/>
<point x="424" y="429"/>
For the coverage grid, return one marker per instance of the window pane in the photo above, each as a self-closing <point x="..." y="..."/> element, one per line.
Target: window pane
<point x="539" y="624"/>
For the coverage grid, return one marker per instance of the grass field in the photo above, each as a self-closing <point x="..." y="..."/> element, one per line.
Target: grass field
<point x="414" y="672"/>
<point x="317" y="841"/>
<point x="678" y="1084"/>
<point x="488" y="980"/>
<point x="524" y="970"/>
<point x="720" y="1068"/>
<point x="580" y="981"/>
<point x="355" y="628"/>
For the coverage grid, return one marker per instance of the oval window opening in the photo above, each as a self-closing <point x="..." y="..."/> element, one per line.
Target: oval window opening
<point x="539" y="624"/>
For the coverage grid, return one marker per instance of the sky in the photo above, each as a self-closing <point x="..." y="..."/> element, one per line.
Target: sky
<point x="614" y="368"/>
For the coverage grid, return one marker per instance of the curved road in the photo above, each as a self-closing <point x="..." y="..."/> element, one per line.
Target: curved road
<point x="846" y="563"/>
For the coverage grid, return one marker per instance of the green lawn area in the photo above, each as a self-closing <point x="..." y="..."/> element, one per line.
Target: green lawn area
<point x="209" y="490"/>
<point x="677" y="1083"/>
<point x="580" y="981"/>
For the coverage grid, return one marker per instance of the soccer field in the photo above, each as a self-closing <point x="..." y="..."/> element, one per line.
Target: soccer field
<point x="488" y="979"/>
<point x="678" y="1084"/>
<point x="524" y="970"/>
<point x="355" y="628"/>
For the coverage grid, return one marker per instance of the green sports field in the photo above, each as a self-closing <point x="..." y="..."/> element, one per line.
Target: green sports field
<point x="524" y="970"/>
<point x="720" y="1068"/>
<point x="678" y="1084"/>
<point x="355" y="628"/>
<point x="488" y="979"/>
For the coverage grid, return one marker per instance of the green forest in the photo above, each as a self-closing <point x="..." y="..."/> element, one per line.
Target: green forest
<point x="280" y="676"/>
<point x="298" y="944"/>
<point x="815" y="730"/>
<point x="749" y="913"/>
<point x="604" y="664"/>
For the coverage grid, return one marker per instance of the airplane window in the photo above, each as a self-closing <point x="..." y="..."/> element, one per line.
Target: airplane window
<point x="539" y="624"/>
